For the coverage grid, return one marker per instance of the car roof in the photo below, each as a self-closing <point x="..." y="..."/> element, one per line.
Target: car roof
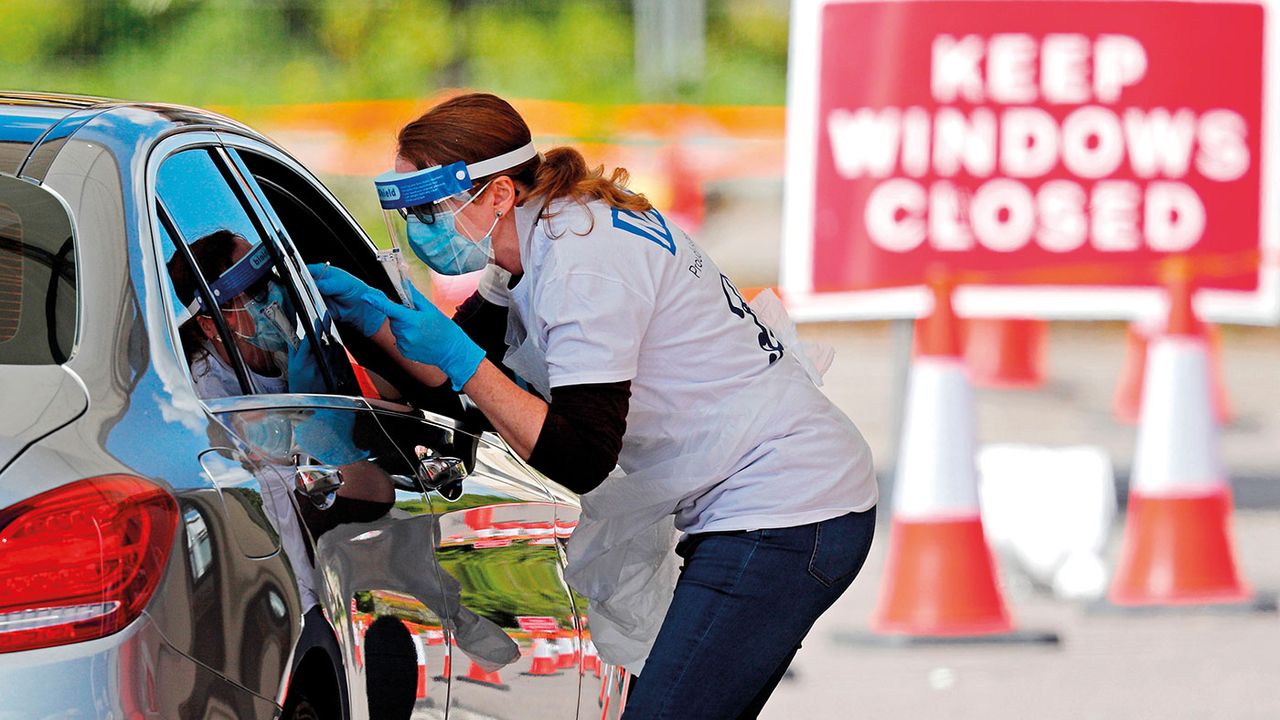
<point x="27" y="117"/>
<point x="29" y="120"/>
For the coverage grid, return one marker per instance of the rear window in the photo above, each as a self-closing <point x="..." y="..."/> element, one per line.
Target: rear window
<point x="37" y="276"/>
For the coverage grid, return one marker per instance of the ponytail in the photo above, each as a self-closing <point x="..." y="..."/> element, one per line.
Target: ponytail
<point x="563" y="173"/>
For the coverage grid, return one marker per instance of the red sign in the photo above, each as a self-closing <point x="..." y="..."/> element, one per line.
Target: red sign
<point x="1025" y="143"/>
<point x="537" y="624"/>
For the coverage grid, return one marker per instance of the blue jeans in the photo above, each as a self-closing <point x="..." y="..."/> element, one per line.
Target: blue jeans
<point x="742" y="605"/>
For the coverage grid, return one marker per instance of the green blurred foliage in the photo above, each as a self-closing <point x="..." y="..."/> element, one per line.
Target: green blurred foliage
<point x="247" y="52"/>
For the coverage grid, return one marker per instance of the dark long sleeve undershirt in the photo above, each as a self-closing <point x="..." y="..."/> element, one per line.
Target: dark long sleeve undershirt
<point x="581" y="436"/>
<point x="486" y="324"/>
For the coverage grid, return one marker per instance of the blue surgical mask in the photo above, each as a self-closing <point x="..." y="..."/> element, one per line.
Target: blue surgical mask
<point x="272" y="321"/>
<point x="271" y="435"/>
<point x="443" y="248"/>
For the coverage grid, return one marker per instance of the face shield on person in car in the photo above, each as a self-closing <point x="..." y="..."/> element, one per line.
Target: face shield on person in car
<point x="257" y="310"/>
<point x="423" y="211"/>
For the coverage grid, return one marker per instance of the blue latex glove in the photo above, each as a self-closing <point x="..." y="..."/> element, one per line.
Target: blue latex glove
<point x="344" y="294"/>
<point x="304" y="372"/>
<point x="425" y="335"/>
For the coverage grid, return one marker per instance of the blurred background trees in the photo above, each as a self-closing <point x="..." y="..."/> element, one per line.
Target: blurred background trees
<point x="256" y="52"/>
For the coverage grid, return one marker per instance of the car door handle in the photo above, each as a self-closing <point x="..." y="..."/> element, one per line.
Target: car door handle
<point x="319" y="483"/>
<point x="437" y="471"/>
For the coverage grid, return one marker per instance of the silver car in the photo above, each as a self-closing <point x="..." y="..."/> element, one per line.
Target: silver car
<point x="331" y="540"/>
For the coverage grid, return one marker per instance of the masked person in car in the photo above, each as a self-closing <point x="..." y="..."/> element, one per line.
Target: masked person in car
<point x="262" y="328"/>
<point x="257" y="314"/>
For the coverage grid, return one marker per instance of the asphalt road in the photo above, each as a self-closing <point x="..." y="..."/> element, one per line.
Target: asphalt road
<point x="1169" y="666"/>
<point x="1165" y="665"/>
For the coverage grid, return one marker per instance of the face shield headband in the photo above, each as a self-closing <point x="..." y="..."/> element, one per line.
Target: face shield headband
<point x="401" y="191"/>
<point x="236" y="280"/>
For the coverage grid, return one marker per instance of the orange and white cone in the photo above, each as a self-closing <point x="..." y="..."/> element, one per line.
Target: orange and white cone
<point x="544" y="661"/>
<point x="478" y="675"/>
<point x="564" y="646"/>
<point x="1126" y="404"/>
<point x="421" y="653"/>
<point x="940" y="577"/>
<point x="1178" y="546"/>
<point x="591" y="659"/>
<point x="1005" y="353"/>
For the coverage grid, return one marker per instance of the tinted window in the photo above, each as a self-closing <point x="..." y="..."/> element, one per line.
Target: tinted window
<point x="37" y="276"/>
<point x="199" y="199"/>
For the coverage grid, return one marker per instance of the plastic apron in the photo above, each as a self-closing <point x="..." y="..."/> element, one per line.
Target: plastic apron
<point x="621" y="555"/>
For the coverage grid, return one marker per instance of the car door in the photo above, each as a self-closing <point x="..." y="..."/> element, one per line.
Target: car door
<point x="510" y="621"/>
<point x="602" y="687"/>
<point x="245" y="621"/>
<point x="359" y="540"/>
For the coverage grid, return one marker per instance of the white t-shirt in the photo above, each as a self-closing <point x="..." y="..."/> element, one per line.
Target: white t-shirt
<point x="612" y="295"/>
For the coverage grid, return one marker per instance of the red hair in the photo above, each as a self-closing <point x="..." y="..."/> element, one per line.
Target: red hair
<point x="478" y="126"/>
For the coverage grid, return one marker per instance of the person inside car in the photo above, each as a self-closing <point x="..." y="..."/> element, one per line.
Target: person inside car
<point x="259" y="316"/>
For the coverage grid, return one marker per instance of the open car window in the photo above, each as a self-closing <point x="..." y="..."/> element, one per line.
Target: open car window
<point x="320" y="231"/>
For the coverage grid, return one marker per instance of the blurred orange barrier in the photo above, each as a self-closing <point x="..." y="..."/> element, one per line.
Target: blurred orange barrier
<point x="1178" y="547"/>
<point x="358" y="138"/>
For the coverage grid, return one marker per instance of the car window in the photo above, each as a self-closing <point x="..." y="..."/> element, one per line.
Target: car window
<point x="320" y="231"/>
<point x="38" y="299"/>
<point x="236" y="308"/>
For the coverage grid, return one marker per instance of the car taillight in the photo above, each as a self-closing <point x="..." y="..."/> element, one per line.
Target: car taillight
<point x="81" y="561"/>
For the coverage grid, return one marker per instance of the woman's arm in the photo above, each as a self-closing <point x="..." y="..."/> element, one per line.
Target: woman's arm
<point x="549" y="434"/>
<point x="575" y="440"/>
<point x="428" y="375"/>
<point x="517" y="415"/>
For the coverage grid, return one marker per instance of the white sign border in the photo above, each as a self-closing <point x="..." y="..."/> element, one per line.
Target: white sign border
<point x="1261" y="307"/>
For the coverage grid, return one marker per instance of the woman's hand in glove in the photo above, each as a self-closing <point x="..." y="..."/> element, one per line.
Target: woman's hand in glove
<point x="344" y="293"/>
<point x="425" y="335"/>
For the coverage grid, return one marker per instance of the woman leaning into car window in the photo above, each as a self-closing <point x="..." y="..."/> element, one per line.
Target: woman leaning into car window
<point x="640" y="354"/>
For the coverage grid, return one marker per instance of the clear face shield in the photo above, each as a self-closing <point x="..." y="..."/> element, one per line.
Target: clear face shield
<point x="423" y="212"/>
<point x="257" y="310"/>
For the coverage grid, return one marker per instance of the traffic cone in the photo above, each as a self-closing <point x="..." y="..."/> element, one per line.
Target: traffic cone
<point x="480" y="676"/>
<point x="1126" y="404"/>
<point x="1005" y="353"/>
<point x="421" y="652"/>
<point x="568" y="654"/>
<point x="446" y="671"/>
<point x="544" y="661"/>
<point x="1177" y="547"/>
<point x="940" y="578"/>
<point x="591" y="659"/>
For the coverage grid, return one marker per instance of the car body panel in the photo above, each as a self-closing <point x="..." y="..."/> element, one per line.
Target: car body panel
<point x="52" y="397"/>
<point x="132" y="674"/>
